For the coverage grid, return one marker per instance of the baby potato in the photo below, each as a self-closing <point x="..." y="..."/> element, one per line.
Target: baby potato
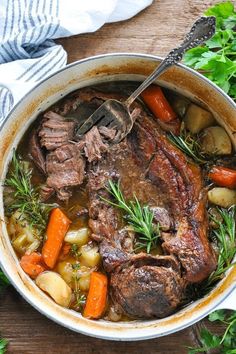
<point x="53" y="284"/>
<point x="215" y="140"/>
<point x="197" y="119"/>
<point x="223" y="197"/>
<point x="78" y="237"/>
<point x="90" y="256"/>
<point x="65" y="269"/>
<point x="84" y="282"/>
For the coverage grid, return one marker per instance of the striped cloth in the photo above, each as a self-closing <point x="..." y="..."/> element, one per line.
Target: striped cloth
<point x="27" y="29"/>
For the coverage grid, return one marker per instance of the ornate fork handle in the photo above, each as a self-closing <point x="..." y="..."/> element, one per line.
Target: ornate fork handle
<point x="202" y="30"/>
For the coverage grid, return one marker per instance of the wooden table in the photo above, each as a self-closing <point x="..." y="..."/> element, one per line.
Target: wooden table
<point x="154" y="31"/>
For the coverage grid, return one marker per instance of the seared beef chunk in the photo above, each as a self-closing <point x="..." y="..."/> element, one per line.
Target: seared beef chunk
<point x="65" y="168"/>
<point x="36" y="152"/>
<point x="55" y="131"/>
<point x="183" y="183"/>
<point x="150" y="167"/>
<point x="147" y="286"/>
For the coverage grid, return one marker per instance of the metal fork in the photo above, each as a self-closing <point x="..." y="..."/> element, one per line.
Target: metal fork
<point x="115" y="114"/>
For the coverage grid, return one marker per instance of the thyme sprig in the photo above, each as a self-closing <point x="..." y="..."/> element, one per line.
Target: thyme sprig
<point x="139" y="217"/>
<point x="26" y="198"/>
<point x="225" y="238"/>
<point x="188" y="145"/>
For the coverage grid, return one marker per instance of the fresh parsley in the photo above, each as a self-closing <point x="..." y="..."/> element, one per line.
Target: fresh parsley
<point x="3" y="345"/>
<point x="216" y="59"/>
<point x="226" y="343"/>
<point x="3" y="280"/>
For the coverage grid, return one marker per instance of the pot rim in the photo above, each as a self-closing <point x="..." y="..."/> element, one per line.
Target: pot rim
<point x="100" y="333"/>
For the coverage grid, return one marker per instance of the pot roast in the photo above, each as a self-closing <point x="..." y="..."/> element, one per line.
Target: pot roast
<point x="148" y="166"/>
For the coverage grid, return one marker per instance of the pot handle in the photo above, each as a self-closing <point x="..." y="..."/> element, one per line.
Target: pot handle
<point x="229" y="303"/>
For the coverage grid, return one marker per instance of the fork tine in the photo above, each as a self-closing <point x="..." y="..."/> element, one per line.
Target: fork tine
<point x="92" y="120"/>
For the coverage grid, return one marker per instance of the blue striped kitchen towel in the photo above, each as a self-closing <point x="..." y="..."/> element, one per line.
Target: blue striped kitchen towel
<point x="27" y="29"/>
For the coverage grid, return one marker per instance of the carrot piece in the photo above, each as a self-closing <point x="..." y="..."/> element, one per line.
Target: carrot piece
<point x="56" y="231"/>
<point x="32" y="264"/>
<point x="158" y="104"/>
<point x="223" y="176"/>
<point x="97" y="295"/>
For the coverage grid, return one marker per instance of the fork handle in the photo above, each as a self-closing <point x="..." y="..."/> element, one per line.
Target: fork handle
<point x="202" y="30"/>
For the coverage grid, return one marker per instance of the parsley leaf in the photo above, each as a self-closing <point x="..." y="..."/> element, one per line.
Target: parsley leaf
<point x="216" y="59"/>
<point x="3" y="280"/>
<point x="226" y="343"/>
<point x="3" y="345"/>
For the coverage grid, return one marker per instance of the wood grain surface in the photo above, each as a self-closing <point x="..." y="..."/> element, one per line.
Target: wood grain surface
<point x="154" y="31"/>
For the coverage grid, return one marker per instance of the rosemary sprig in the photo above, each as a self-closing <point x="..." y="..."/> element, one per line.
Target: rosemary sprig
<point x="139" y="217"/>
<point x="226" y="241"/>
<point x="26" y="196"/>
<point x="189" y="145"/>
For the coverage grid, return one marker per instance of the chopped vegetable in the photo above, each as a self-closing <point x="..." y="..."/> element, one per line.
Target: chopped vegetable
<point x="53" y="284"/>
<point x="221" y="196"/>
<point x="78" y="237"/>
<point x="223" y="176"/>
<point x="90" y="256"/>
<point x="158" y="104"/>
<point x="96" y="300"/>
<point x="56" y="231"/>
<point x="32" y="264"/>
<point x="65" y="269"/>
<point x="197" y="119"/>
<point x="215" y="141"/>
<point x="180" y="105"/>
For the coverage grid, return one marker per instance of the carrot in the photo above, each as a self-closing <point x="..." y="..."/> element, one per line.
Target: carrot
<point x="32" y="264"/>
<point x="223" y="176"/>
<point x="56" y="231"/>
<point x="158" y="104"/>
<point x="97" y="295"/>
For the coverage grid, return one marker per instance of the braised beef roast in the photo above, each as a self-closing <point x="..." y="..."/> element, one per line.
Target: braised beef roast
<point x="150" y="167"/>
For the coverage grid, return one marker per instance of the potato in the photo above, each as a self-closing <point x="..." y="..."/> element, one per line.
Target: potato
<point x="78" y="237"/>
<point x="223" y="197"/>
<point x="215" y="140"/>
<point x="23" y="236"/>
<point x="65" y="269"/>
<point x="197" y="119"/>
<point x="53" y="284"/>
<point x="84" y="282"/>
<point x="20" y="243"/>
<point x="90" y="256"/>
<point x="180" y="105"/>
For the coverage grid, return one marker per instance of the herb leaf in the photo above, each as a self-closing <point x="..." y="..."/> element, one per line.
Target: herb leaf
<point x="217" y="58"/>
<point x="3" y="345"/>
<point x="225" y="343"/>
<point x="26" y="196"/>
<point x="225" y="237"/>
<point x="3" y="280"/>
<point x="189" y="145"/>
<point x="139" y="217"/>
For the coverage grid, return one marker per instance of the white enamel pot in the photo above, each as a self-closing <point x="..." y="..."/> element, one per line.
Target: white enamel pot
<point x="83" y="73"/>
